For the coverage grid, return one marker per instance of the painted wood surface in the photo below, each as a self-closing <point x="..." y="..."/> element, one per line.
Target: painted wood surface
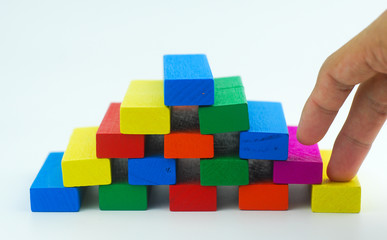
<point x="335" y="197"/>
<point x="111" y="143"/>
<point x="268" y="136"/>
<point x="188" y="80"/>
<point x="80" y="165"/>
<point x="229" y="112"/>
<point x="47" y="192"/>
<point x="303" y="166"/>
<point x="143" y="110"/>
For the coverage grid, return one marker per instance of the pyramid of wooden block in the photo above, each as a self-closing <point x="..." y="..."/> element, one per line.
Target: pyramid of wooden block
<point x="194" y="133"/>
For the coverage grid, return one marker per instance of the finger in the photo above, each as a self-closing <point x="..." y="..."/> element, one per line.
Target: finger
<point x="357" y="61"/>
<point x="366" y="117"/>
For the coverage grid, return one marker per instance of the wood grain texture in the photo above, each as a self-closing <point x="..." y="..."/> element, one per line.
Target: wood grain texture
<point x="188" y="80"/>
<point x="188" y="170"/>
<point x="80" y="165"/>
<point x="226" y="144"/>
<point x="224" y="171"/>
<point x="111" y="143"/>
<point x="184" y="118"/>
<point x="155" y="170"/>
<point x="268" y="136"/>
<point x="192" y="197"/>
<point x="229" y="112"/>
<point x="143" y="110"/>
<point x="264" y="196"/>
<point x="47" y="192"/>
<point x="154" y="145"/>
<point x="304" y="164"/>
<point x="260" y="171"/>
<point x="190" y="144"/>
<point x="335" y="197"/>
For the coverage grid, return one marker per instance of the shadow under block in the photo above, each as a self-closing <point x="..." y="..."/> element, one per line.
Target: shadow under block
<point x="263" y="196"/>
<point x="47" y="192"/>
<point x="304" y="164"/>
<point x="335" y="197"/>
<point x="122" y="196"/>
<point x="192" y="197"/>
<point x="268" y="136"/>
<point x="224" y="171"/>
<point x="155" y="170"/>
<point x="229" y="112"/>
<point x="80" y="165"/>
<point x="143" y="110"/>
<point x="188" y="80"/>
<point x="188" y="145"/>
<point x="111" y="143"/>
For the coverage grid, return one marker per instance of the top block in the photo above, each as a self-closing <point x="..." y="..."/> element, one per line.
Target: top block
<point x="188" y="80"/>
<point x="143" y="110"/>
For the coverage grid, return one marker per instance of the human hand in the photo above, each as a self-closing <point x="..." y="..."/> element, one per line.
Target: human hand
<point x="363" y="61"/>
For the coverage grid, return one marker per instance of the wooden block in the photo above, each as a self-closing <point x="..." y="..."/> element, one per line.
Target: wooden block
<point x="260" y="171"/>
<point x="304" y="164"/>
<point x="188" y="80"/>
<point x="184" y="118"/>
<point x="224" y="171"/>
<point x="122" y="196"/>
<point x="80" y="165"/>
<point x="188" y="145"/>
<point x="192" y="197"/>
<point x="111" y="143"/>
<point x="263" y="196"/>
<point x="229" y="112"/>
<point x="188" y="170"/>
<point x="154" y="145"/>
<point x="268" y="136"/>
<point x="226" y="144"/>
<point x="48" y="194"/>
<point x="143" y="110"/>
<point x="335" y="197"/>
<point x="155" y="170"/>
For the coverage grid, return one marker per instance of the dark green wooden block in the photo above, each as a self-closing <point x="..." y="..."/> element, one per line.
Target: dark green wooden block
<point x="224" y="171"/>
<point x="229" y="112"/>
<point x="122" y="196"/>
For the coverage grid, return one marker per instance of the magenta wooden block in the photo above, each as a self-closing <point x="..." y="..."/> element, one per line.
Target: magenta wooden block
<point x="303" y="166"/>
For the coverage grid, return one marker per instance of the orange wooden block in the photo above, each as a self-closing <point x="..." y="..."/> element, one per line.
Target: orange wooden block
<point x="263" y="196"/>
<point x="188" y="145"/>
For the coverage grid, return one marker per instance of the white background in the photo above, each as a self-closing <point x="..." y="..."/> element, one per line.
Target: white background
<point x="63" y="62"/>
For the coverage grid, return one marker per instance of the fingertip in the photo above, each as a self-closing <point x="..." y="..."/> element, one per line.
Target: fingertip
<point x="339" y="175"/>
<point x="303" y="136"/>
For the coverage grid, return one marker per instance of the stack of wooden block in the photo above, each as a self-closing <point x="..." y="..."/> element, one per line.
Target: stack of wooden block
<point x="192" y="132"/>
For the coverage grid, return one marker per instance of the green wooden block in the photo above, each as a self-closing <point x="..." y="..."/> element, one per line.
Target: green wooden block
<point x="224" y="171"/>
<point x="229" y="112"/>
<point x="122" y="196"/>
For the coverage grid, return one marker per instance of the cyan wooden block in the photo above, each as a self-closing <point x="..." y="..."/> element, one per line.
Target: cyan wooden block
<point x="47" y="193"/>
<point x="155" y="170"/>
<point x="188" y="80"/>
<point x="268" y="136"/>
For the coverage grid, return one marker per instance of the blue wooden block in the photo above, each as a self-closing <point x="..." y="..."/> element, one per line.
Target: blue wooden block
<point x="47" y="193"/>
<point x="188" y="80"/>
<point x="155" y="170"/>
<point x="268" y="136"/>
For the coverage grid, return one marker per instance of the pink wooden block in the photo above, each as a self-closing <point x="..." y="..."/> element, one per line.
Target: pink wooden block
<point x="303" y="166"/>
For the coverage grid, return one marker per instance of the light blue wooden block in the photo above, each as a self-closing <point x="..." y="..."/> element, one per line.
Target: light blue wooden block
<point x="268" y="137"/>
<point x="155" y="170"/>
<point x="47" y="193"/>
<point x="188" y="80"/>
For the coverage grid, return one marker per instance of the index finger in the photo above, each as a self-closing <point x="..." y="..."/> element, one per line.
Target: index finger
<point x="354" y="63"/>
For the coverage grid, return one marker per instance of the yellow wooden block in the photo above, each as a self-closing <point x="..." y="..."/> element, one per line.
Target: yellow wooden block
<point x="143" y="110"/>
<point x="80" y="165"/>
<point x="338" y="197"/>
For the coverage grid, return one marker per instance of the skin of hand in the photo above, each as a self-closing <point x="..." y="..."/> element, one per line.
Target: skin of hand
<point x="363" y="61"/>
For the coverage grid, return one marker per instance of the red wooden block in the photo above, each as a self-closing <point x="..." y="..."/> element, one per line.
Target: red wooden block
<point x="111" y="143"/>
<point x="192" y="197"/>
<point x="188" y="145"/>
<point x="263" y="196"/>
